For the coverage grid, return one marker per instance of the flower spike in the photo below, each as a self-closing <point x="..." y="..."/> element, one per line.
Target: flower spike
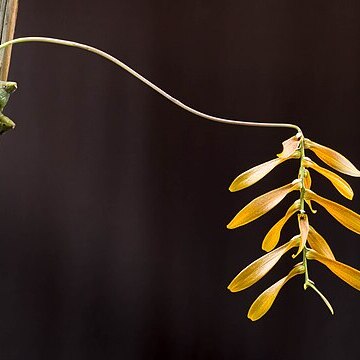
<point x="312" y="245"/>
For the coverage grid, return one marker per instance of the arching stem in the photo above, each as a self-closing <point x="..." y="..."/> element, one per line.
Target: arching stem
<point x="145" y="81"/>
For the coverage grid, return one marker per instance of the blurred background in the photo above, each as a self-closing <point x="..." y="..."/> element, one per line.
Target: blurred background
<point x="114" y="202"/>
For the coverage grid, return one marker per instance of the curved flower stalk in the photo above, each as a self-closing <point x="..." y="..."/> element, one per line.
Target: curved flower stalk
<point x="308" y="241"/>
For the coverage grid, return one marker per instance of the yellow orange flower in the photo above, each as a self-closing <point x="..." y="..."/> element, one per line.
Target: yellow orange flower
<point x="343" y="271"/>
<point x="260" y="267"/>
<point x="340" y="184"/>
<point x="343" y="215"/>
<point x="262" y="204"/>
<point x="264" y="302"/>
<point x="309" y="241"/>
<point x="332" y="158"/>
<point x="254" y="174"/>
<point x="319" y="244"/>
<point x="272" y="237"/>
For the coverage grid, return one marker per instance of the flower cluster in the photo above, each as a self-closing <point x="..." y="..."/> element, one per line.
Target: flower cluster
<point x="308" y="241"/>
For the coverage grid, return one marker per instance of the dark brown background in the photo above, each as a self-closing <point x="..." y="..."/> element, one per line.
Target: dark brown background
<point x="114" y="201"/>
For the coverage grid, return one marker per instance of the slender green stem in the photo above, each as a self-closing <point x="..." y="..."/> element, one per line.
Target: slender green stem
<point x="307" y="282"/>
<point x="144" y="80"/>
<point x="302" y="204"/>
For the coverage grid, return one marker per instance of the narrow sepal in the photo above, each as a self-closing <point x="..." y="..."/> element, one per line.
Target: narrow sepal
<point x="343" y="215"/>
<point x="343" y="271"/>
<point x="340" y="184"/>
<point x="332" y="158"/>
<point x="272" y="237"/>
<point x="307" y="185"/>
<point x="261" y="205"/>
<point x="304" y="230"/>
<point x="254" y="174"/>
<point x="307" y="179"/>
<point x="319" y="244"/>
<point x="290" y="146"/>
<point x="264" y="302"/>
<point x="260" y="267"/>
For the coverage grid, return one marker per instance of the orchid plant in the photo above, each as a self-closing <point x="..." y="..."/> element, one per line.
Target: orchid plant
<point x="308" y="241"/>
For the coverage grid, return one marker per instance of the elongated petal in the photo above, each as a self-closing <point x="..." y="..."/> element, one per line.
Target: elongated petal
<point x="304" y="231"/>
<point x="343" y="215"/>
<point x="307" y="185"/>
<point x="261" y="205"/>
<point x="332" y="158"/>
<point x="254" y="174"/>
<point x="307" y="179"/>
<point x="290" y="146"/>
<point x="319" y="244"/>
<point x="260" y="267"/>
<point x="264" y="302"/>
<point x="340" y="184"/>
<point x="344" y="272"/>
<point x="272" y="237"/>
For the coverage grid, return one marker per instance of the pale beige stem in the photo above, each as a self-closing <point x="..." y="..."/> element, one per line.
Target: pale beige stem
<point x="145" y="81"/>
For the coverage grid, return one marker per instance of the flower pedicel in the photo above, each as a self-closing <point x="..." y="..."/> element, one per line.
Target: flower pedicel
<point x="308" y="242"/>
